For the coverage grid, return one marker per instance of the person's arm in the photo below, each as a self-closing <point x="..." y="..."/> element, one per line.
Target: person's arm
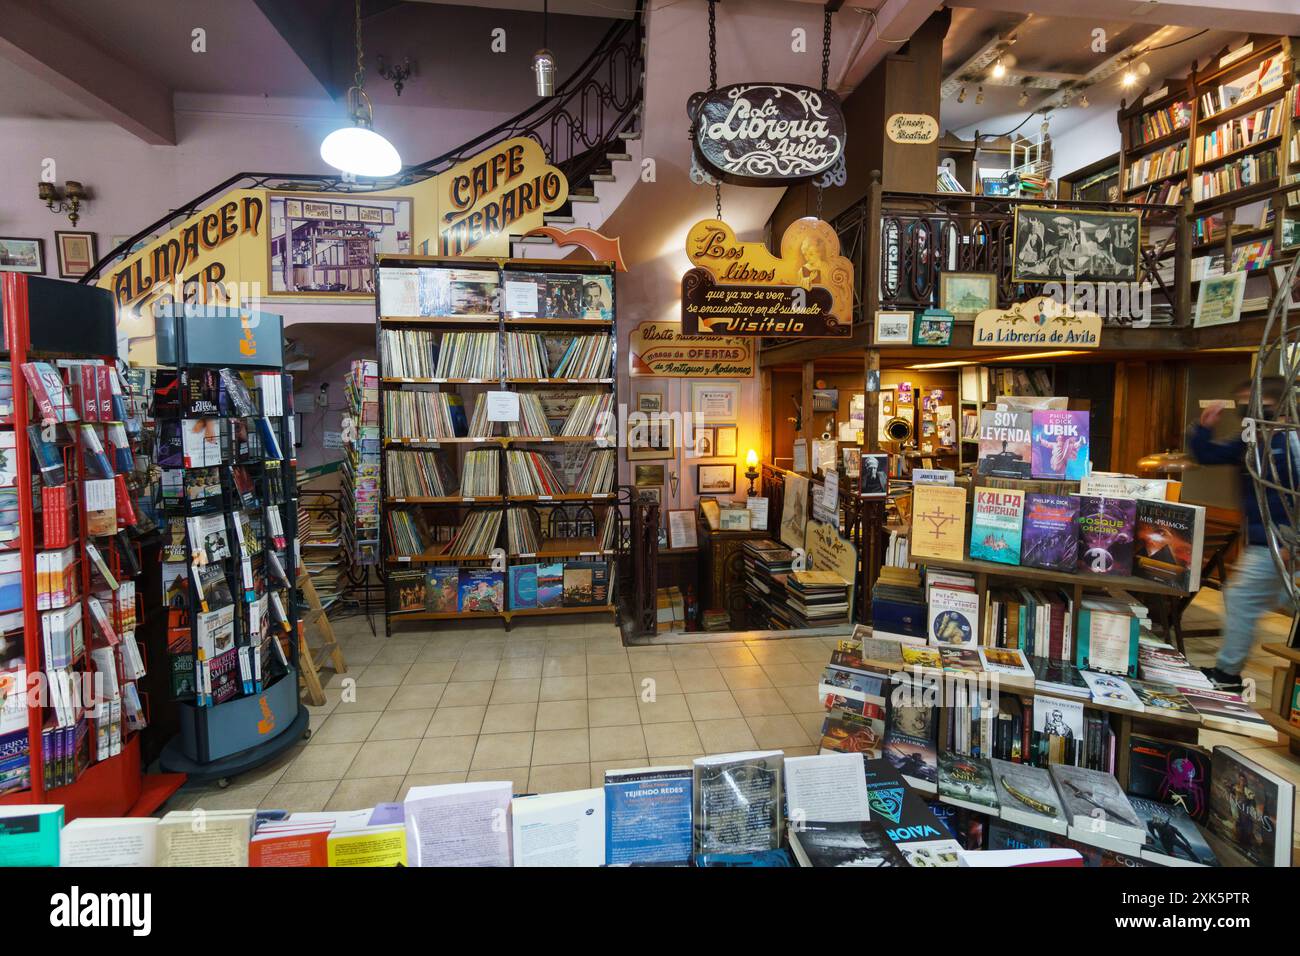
<point x="1207" y="451"/>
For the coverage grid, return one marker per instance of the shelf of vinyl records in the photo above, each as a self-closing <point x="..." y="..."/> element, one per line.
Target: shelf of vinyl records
<point x="541" y="330"/>
<point x="68" y="557"/>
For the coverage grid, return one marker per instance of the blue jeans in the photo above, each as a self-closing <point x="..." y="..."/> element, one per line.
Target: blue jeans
<point x="1255" y="587"/>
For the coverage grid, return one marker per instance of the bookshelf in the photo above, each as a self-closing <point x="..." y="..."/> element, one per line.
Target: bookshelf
<point x="1154" y="144"/>
<point x="475" y="500"/>
<point x="69" y="475"/>
<point x="230" y="561"/>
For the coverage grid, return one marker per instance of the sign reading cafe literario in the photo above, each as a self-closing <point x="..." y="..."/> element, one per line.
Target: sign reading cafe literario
<point x="767" y="133"/>
<point x="739" y="288"/>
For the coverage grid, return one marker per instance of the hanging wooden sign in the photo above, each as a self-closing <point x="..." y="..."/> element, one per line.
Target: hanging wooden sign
<point x="1038" y="323"/>
<point x="662" y="350"/>
<point x="767" y="133"/>
<point x="740" y="289"/>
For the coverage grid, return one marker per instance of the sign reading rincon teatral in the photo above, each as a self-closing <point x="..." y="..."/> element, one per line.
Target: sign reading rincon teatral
<point x="767" y="133"/>
<point x="739" y="288"/>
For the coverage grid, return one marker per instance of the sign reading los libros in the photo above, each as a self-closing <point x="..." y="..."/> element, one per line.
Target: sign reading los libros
<point x="767" y="133"/>
<point x="740" y="289"/>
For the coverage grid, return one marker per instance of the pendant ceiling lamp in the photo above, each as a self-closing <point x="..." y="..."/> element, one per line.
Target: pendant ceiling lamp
<point x="358" y="149"/>
<point x="544" y="59"/>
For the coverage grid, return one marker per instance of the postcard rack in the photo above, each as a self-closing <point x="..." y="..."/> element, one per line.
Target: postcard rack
<point x="226" y="730"/>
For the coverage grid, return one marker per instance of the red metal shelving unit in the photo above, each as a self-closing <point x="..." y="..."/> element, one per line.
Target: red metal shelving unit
<point x="73" y="317"/>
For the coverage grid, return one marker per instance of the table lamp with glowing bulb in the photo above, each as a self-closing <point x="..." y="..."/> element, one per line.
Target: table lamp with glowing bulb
<point x="751" y="459"/>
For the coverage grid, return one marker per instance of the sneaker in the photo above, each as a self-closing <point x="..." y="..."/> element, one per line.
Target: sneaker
<point x="1222" y="680"/>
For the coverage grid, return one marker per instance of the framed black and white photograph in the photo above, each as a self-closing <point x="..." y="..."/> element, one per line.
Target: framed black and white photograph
<point x="893" y="328"/>
<point x="649" y="402"/>
<point x="704" y="441"/>
<point x="874" y="482"/>
<point x="1058" y="244"/>
<point x="22" y="255"/>
<point x="715" y="479"/>
<point x="650" y="494"/>
<point x="652" y="440"/>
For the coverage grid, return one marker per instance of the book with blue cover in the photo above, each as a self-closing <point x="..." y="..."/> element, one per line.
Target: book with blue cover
<point x="1060" y="444"/>
<point x="29" y="835"/>
<point x="648" y="815"/>
<point x="995" y="525"/>
<point x="482" y="590"/>
<point x="523" y="586"/>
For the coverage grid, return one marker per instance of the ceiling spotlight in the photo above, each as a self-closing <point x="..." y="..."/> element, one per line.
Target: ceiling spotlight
<point x="544" y="59"/>
<point x="961" y="95"/>
<point x="999" y="69"/>
<point x="979" y="96"/>
<point x="1129" y="78"/>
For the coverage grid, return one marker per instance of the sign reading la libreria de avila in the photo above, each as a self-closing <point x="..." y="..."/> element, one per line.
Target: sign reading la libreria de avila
<point x="767" y="133"/>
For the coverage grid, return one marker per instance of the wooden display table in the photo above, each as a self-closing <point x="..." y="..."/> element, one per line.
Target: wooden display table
<point x="1280" y="715"/>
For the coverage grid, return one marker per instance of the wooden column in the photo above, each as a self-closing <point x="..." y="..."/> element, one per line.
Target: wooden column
<point x="806" y="418"/>
<point x="766" y="425"/>
<point x="871" y="427"/>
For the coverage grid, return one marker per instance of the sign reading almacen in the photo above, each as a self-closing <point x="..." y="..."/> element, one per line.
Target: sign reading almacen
<point x="739" y="288"/>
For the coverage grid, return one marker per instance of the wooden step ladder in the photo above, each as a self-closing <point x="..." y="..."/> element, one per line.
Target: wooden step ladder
<point x="312" y="658"/>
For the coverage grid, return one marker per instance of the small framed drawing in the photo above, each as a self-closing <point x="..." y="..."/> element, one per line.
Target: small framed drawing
<point x="650" y="494"/>
<point x="875" y="476"/>
<point x="967" y="294"/>
<point x="651" y="441"/>
<point x="22" y="255"/>
<point x="715" y="401"/>
<point x="725" y="444"/>
<point x="649" y="401"/>
<point x="933" y="327"/>
<point x="703" y="442"/>
<point x="852" y="461"/>
<point x="681" y="529"/>
<point x="736" y="519"/>
<point x="715" y="479"/>
<point x="893" y="328"/>
<point x="76" y="253"/>
<point x="1219" y="300"/>
<point x="649" y="476"/>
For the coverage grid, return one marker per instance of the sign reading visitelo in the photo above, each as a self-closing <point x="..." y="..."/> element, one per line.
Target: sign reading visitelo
<point x="739" y="288"/>
<point x="766" y="133"/>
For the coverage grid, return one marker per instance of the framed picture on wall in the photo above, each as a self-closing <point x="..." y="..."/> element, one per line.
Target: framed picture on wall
<point x="933" y="327"/>
<point x="967" y="294"/>
<point x="715" y="401"/>
<point x="704" y="442"/>
<point x="650" y="494"/>
<point x="22" y="255"/>
<point x="893" y="328"/>
<point x="648" y="476"/>
<point x="726" y="443"/>
<point x="1055" y="244"/>
<point x="1218" y="302"/>
<point x="715" y="479"/>
<point x="887" y="402"/>
<point x="300" y="225"/>
<point x="874" y="482"/>
<point x="76" y="253"/>
<point x="651" y="441"/>
<point x="649" y="402"/>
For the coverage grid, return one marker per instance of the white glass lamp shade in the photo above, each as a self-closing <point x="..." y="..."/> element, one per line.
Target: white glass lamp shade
<point x="361" y="152"/>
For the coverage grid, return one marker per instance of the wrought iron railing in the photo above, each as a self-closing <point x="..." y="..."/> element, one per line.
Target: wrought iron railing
<point x="576" y="127"/>
<point x="901" y="243"/>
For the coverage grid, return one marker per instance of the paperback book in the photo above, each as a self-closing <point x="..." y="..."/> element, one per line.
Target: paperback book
<point x="1106" y="531"/>
<point x="995" y="525"/>
<point x="1060" y="444"/>
<point x="1049" y="538"/>
<point x="738" y="802"/>
<point x="1005" y="441"/>
<point x="1170" y="543"/>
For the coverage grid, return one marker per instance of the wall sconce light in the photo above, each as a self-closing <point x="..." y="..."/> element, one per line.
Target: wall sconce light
<point x="398" y="73"/>
<point x="68" y="200"/>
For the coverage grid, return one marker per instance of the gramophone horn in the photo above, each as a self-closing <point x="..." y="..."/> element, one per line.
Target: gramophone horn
<point x="898" y="429"/>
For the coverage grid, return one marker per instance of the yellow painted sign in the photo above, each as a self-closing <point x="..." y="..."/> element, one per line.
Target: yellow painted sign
<point x="740" y="288"/>
<point x="828" y="550"/>
<point x="659" y="349"/>
<point x="1038" y="323"/>
<point x="222" y="254"/>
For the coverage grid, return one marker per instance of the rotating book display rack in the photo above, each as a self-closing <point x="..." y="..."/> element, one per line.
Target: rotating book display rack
<point x="226" y="439"/>
<point x="497" y="398"/>
<point x="70" y="707"/>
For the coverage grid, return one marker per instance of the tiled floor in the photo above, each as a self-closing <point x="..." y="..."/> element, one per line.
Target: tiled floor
<point x="552" y="706"/>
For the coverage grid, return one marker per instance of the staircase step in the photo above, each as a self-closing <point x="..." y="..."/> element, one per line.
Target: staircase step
<point x="619" y="157"/>
<point x="602" y="177"/>
<point x="558" y="220"/>
<point x="630" y="134"/>
<point x="583" y="197"/>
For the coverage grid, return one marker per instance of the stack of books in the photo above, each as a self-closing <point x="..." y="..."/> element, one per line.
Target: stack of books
<point x="818" y="598"/>
<point x="767" y="563"/>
